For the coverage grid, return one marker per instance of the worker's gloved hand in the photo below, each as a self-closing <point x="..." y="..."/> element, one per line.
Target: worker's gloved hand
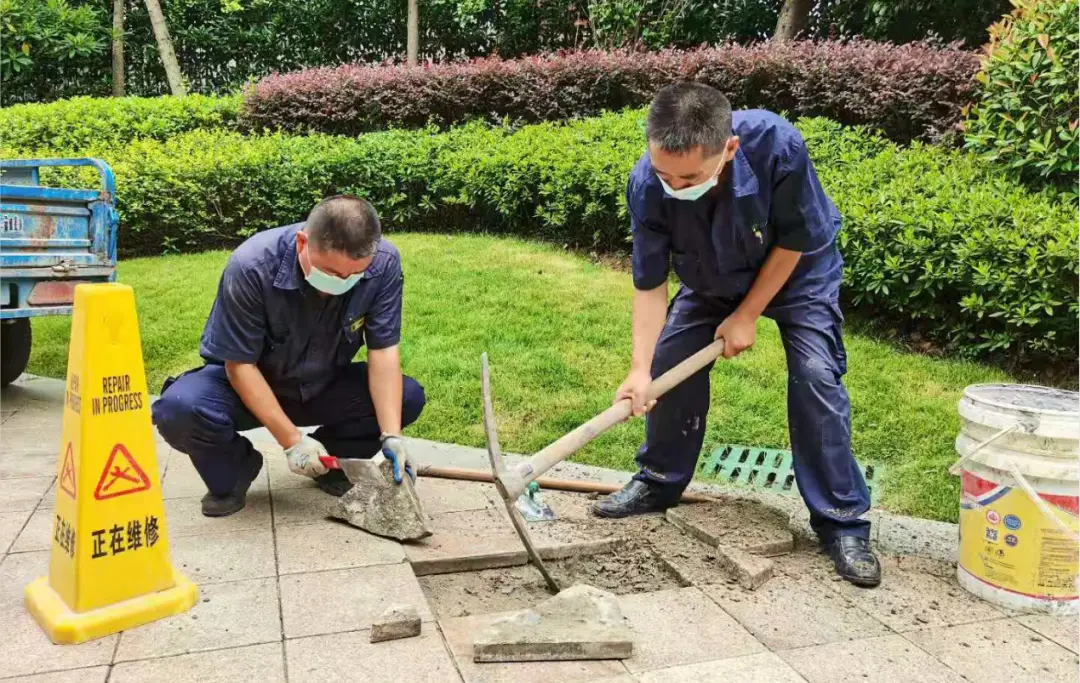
<point x="303" y="457"/>
<point x="393" y="447"/>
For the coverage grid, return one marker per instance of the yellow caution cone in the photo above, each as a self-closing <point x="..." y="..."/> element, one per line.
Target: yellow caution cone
<point x="109" y="569"/>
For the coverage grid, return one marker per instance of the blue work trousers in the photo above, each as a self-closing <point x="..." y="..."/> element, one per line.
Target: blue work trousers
<point x="819" y="412"/>
<point x="200" y="414"/>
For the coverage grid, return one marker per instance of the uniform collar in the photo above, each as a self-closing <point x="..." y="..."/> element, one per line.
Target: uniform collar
<point x="743" y="179"/>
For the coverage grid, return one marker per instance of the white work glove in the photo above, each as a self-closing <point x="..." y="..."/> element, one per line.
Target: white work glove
<point x="303" y="457"/>
<point x="393" y="447"/>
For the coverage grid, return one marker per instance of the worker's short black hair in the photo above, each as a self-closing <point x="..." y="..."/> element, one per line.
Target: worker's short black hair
<point x="688" y="115"/>
<point x="344" y="224"/>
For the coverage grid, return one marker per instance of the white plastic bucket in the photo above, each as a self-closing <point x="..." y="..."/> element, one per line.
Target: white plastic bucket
<point x="1019" y="470"/>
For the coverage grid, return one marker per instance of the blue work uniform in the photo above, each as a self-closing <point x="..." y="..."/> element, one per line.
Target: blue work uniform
<point x="768" y="196"/>
<point x="303" y="343"/>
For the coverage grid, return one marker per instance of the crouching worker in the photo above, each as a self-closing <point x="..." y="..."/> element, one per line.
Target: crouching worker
<point x="293" y="308"/>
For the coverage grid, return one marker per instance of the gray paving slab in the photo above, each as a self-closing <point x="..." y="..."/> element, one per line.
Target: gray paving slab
<point x="227" y="615"/>
<point x="682" y="626"/>
<point x="37" y="534"/>
<point x="318" y="603"/>
<point x="470" y="536"/>
<point x="230" y="556"/>
<point x="1065" y="631"/>
<point x="11" y="525"/>
<point x="760" y="668"/>
<point x="185" y="516"/>
<point x="94" y="674"/>
<point x="779" y="612"/>
<point x="442" y="495"/>
<point x="24" y="647"/>
<point x="331" y="545"/>
<point x="301" y="505"/>
<point x="262" y="663"/>
<point x="911" y="600"/>
<point x="888" y="659"/>
<point x="350" y="657"/>
<point x="902" y="535"/>
<point x="459" y="633"/>
<point x="1001" y="650"/>
<point x="27" y="463"/>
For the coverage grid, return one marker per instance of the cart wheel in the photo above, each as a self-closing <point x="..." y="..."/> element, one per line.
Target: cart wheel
<point x="14" y="349"/>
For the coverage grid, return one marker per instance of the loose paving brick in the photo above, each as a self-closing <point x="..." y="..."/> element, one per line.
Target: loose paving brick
<point x="262" y="663"/>
<point x="749" y="571"/>
<point x="459" y="634"/>
<point x="333" y="545"/>
<point x="351" y="657"/>
<point x="443" y="495"/>
<point x="581" y="622"/>
<point x="682" y="626"/>
<point x="465" y="541"/>
<point x="1000" y="650"/>
<point x="761" y="668"/>
<point x="888" y="659"/>
<point x="227" y="615"/>
<point x="398" y="621"/>
<point x="743" y="524"/>
<point x="348" y="599"/>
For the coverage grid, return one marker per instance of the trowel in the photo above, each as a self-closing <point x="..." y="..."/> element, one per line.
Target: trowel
<point x="376" y="503"/>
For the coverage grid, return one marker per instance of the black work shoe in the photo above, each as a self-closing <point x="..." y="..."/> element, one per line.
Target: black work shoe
<point x="636" y="498"/>
<point x="223" y="505"/>
<point x="855" y="561"/>
<point x="334" y="482"/>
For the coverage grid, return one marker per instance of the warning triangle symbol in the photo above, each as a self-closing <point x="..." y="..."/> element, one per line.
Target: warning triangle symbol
<point x="67" y="474"/>
<point x="121" y="476"/>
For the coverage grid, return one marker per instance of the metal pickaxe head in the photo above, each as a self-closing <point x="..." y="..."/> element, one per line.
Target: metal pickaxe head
<point x="498" y="469"/>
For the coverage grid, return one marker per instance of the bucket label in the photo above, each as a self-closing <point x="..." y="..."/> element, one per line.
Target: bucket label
<point x="1007" y="542"/>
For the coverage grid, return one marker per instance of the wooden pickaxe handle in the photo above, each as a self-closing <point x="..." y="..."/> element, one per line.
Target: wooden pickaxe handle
<point x="517" y="479"/>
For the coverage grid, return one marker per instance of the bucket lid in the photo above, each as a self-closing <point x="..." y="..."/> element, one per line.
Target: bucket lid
<point x="1027" y="398"/>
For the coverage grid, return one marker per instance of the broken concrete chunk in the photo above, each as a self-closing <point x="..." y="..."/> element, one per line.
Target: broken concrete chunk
<point x="398" y="621"/>
<point x="581" y="622"/>
<point x="377" y="504"/>
<point x="750" y="571"/>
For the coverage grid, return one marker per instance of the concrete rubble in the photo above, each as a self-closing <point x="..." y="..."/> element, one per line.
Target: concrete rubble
<point x="380" y="506"/>
<point x="398" y="621"/>
<point x="581" y="622"/>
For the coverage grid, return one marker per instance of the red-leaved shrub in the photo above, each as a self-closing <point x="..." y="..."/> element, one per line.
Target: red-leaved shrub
<point x="908" y="91"/>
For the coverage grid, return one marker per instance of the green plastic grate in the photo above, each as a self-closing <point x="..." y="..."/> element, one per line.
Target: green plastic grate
<point x="768" y="469"/>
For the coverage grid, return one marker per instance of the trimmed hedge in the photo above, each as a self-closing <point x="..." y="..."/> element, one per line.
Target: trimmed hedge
<point x="89" y="122"/>
<point x="975" y="260"/>
<point x="908" y="91"/>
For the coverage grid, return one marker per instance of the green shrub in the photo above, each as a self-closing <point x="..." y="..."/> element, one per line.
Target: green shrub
<point x="930" y="236"/>
<point x="1025" y="117"/>
<point x="88" y="122"/>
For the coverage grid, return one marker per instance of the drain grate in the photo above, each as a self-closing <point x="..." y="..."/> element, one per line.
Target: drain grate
<point x="768" y="469"/>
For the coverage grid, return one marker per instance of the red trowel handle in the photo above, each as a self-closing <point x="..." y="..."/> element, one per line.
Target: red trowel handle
<point x="330" y="461"/>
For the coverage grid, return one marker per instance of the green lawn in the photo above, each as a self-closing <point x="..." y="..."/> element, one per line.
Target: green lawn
<point x="557" y="330"/>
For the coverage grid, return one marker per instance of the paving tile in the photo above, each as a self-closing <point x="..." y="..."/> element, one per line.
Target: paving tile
<point x="308" y="505"/>
<point x="744" y="524"/>
<point x="888" y="659"/>
<point x="23" y="464"/>
<point x="682" y="626"/>
<point x="212" y="558"/>
<point x="24" y="647"/>
<point x="902" y="535"/>
<point x="17" y="495"/>
<point x="11" y="525"/>
<point x="349" y="657"/>
<point x="1001" y="650"/>
<point x="347" y="599"/>
<point x="778" y="612"/>
<point x="445" y="495"/>
<point x="332" y="545"/>
<point x="470" y="535"/>
<point x="459" y="634"/>
<point x="761" y="668"/>
<point x="262" y="663"/>
<point x="182" y="481"/>
<point x="34" y="430"/>
<point x="96" y="674"/>
<point x="910" y="600"/>
<point x="185" y="516"/>
<point x="37" y="534"/>
<point x="1065" y="631"/>
<point x="227" y="615"/>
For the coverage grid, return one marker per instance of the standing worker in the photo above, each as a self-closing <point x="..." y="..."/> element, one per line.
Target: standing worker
<point x="293" y="308"/>
<point x="731" y="200"/>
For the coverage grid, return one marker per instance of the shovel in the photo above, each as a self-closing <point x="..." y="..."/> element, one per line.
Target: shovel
<point x="513" y="481"/>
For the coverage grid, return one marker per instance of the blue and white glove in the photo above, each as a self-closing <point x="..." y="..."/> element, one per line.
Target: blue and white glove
<point x="393" y="447"/>
<point x="303" y="457"/>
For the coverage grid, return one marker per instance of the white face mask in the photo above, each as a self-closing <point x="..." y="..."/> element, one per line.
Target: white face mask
<point x="331" y="284"/>
<point x="694" y="191"/>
